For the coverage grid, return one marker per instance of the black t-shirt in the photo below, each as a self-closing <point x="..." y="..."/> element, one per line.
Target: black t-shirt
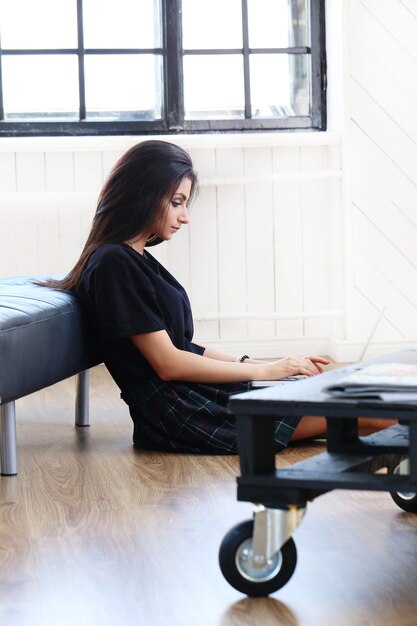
<point x="125" y="294"/>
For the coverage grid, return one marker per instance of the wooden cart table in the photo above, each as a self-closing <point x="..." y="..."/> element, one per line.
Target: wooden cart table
<point x="259" y="556"/>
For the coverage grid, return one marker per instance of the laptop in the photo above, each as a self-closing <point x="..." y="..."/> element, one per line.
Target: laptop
<point x="358" y="365"/>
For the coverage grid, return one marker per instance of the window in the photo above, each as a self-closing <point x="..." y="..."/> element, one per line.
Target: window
<point x="85" y="67"/>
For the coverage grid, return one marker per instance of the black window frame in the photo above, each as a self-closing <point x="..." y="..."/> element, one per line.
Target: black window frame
<point x="173" y="121"/>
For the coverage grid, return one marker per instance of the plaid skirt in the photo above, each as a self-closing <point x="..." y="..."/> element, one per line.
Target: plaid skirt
<point x="191" y="417"/>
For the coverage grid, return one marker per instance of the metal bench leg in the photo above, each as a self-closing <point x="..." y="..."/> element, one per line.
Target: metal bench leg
<point x="8" y="439"/>
<point x="82" y="417"/>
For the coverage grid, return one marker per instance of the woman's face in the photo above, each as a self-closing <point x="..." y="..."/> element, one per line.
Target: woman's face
<point x="176" y="213"/>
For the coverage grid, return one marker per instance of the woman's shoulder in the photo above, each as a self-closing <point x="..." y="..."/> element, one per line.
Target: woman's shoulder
<point x="115" y="253"/>
<point x="110" y="250"/>
<point x="118" y="261"/>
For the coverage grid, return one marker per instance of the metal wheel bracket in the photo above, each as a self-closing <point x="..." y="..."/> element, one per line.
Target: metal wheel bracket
<point x="403" y="468"/>
<point x="271" y="530"/>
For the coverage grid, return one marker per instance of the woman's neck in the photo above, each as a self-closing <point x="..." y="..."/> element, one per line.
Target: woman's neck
<point x="138" y="244"/>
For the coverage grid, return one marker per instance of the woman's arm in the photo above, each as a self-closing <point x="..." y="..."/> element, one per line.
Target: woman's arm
<point x="170" y="363"/>
<point x="211" y="353"/>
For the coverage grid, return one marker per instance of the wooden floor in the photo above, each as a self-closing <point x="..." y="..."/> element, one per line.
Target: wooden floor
<point x="93" y="532"/>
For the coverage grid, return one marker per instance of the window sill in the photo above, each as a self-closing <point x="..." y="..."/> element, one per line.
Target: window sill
<point x="203" y="140"/>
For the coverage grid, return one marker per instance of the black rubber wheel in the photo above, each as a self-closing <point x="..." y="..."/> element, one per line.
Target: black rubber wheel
<point x="407" y="501"/>
<point x="237" y="568"/>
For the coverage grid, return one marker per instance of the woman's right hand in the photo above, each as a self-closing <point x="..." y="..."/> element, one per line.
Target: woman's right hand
<point x="293" y="366"/>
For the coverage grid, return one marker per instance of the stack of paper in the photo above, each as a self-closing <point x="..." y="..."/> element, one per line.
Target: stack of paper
<point x="385" y="381"/>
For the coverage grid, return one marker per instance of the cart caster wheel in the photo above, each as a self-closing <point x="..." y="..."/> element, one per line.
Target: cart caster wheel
<point x="406" y="500"/>
<point x="236" y="564"/>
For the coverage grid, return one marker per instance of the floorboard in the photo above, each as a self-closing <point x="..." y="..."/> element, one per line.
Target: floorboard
<point x="93" y="531"/>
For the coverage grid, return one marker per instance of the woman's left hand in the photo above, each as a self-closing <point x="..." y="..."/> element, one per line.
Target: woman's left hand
<point x="317" y="360"/>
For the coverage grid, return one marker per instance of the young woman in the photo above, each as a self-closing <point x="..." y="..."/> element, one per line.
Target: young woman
<point x="177" y="391"/>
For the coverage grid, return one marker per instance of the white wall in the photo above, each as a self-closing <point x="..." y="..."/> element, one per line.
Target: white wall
<point x="380" y="173"/>
<point x="259" y="245"/>
<point x="287" y="251"/>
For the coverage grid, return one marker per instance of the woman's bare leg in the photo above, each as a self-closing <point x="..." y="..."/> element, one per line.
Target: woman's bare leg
<point x="310" y="427"/>
<point x="367" y="426"/>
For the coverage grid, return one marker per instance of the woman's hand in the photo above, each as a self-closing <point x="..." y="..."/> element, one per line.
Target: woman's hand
<point x="295" y="365"/>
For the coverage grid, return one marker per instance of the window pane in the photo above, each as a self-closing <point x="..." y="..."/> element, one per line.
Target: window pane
<point x="214" y="24"/>
<point x="124" y="82"/>
<point x="121" y="24"/>
<point x="38" y="24"/>
<point x="278" y="23"/>
<point x="213" y="87"/>
<point x="41" y="85"/>
<point x="286" y="91"/>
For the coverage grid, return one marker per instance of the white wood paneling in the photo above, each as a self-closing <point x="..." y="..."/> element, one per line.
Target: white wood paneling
<point x="204" y="265"/>
<point x="384" y="131"/>
<point x="393" y="264"/>
<point x="386" y="217"/>
<point x="259" y="241"/>
<point x="387" y="51"/>
<point x="383" y="153"/>
<point x="288" y="242"/>
<point x="30" y="171"/>
<point x="400" y="313"/>
<point x="316" y="241"/>
<point x="42" y="232"/>
<point x="8" y="226"/>
<point x="70" y="243"/>
<point x="88" y="171"/>
<point x="59" y="171"/>
<point x="241" y="257"/>
<point x="49" y="238"/>
<point x="396" y="19"/>
<point x="374" y="173"/>
<point x="377" y="83"/>
<point x="337" y="287"/>
<point x="367" y="314"/>
<point x="25" y="242"/>
<point x="232" y="244"/>
<point x="7" y="172"/>
<point x="411" y="6"/>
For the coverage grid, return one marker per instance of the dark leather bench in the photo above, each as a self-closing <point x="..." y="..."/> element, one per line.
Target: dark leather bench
<point x="44" y="338"/>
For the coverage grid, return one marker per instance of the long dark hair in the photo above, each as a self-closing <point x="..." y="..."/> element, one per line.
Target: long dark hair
<point x="135" y="193"/>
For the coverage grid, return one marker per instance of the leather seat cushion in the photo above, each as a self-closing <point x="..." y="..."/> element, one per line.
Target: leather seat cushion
<point x="44" y="337"/>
